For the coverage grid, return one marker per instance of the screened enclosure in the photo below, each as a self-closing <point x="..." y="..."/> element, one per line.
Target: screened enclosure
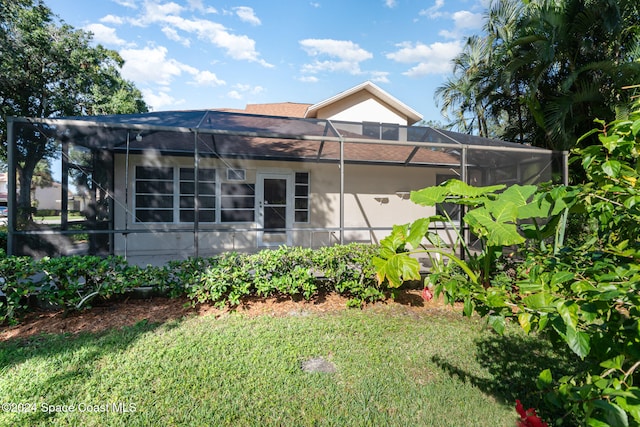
<point x="192" y="183"/>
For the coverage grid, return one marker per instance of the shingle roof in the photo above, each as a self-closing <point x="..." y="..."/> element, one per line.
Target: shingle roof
<point x="283" y="109"/>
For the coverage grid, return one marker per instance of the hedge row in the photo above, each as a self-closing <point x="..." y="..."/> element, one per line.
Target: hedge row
<point x="72" y="282"/>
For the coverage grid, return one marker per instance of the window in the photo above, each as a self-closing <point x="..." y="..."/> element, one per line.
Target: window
<point x="206" y="195"/>
<point x="301" y="207"/>
<point x="154" y="194"/>
<point x="384" y="131"/>
<point x="389" y="132"/>
<point x="237" y="202"/>
<point x="236" y="174"/>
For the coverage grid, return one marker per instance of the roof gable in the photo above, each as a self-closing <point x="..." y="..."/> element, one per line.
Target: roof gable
<point x="366" y="92"/>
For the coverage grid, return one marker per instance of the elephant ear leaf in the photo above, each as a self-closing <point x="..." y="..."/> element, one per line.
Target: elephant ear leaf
<point x="429" y="196"/>
<point x="393" y="263"/>
<point x="454" y="191"/>
<point x="464" y="190"/>
<point x="396" y="269"/>
<point x="497" y="233"/>
<point x="418" y="231"/>
<point x="519" y="194"/>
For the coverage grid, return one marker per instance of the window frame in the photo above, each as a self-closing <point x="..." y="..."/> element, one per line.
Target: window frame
<point x="222" y="196"/>
<point x="379" y="130"/>
<point x="139" y="180"/>
<point x="180" y="195"/>
<point x="181" y="179"/>
<point x="306" y="197"/>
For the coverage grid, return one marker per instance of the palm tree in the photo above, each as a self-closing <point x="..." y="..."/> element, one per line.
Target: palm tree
<point x="569" y="57"/>
<point x="461" y="94"/>
<point x="544" y="69"/>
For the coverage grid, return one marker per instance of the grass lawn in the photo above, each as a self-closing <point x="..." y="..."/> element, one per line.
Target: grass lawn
<point x="56" y="218"/>
<point x="394" y="368"/>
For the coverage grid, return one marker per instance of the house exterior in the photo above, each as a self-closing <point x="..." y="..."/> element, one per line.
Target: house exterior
<point x="179" y="184"/>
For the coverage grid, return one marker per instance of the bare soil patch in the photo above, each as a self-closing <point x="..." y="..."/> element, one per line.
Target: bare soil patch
<point x="118" y="314"/>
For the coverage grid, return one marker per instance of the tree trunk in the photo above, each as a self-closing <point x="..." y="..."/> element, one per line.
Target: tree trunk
<point x="25" y="178"/>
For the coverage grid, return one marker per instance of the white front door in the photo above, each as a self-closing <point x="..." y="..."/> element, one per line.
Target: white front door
<point x="275" y="208"/>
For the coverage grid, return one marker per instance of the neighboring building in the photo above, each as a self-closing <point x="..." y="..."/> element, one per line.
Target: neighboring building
<point x="48" y="198"/>
<point x="4" y="181"/>
<point x="183" y="183"/>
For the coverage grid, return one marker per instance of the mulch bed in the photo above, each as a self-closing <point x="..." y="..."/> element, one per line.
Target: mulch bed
<point x="128" y="312"/>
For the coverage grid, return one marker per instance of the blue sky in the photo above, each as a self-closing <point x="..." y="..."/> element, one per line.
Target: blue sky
<point x="192" y="54"/>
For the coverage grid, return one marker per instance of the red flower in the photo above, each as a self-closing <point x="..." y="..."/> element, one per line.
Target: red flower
<point x="528" y="418"/>
<point x="427" y="295"/>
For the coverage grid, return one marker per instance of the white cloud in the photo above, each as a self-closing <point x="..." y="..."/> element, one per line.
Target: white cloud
<point x="247" y="14"/>
<point x="242" y="90"/>
<point x="104" y="35"/>
<point x="253" y="90"/>
<point x="343" y="49"/>
<point x="160" y="100"/>
<point x="199" y="6"/>
<point x="131" y="4"/>
<point x="239" y="47"/>
<point x="112" y="19"/>
<point x="156" y="12"/>
<point x="151" y="65"/>
<point x="207" y="78"/>
<point x="172" y="34"/>
<point x="430" y="59"/>
<point x="464" y="19"/>
<point x="379" y="76"/>
<point x="434" y="11"/>
<point x="308" y="79"/>
<point x="464" y="22"/>
<point x="390" y="3"/>
<point x="346" y="55"/>
<point x="315" y="4"/>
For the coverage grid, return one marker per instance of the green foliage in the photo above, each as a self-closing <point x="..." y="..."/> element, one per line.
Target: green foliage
<point x="349" y="270"/>
<point x="15" y="284"/>
<point x="53" y="70"/>
<point x="284" y="271"/>
<point x="541" y="70"/>
<point x="225" y="281"/>
<point x="584" y="298"/>
<point x="72" y="282"/>
<point x="288" y="271"/>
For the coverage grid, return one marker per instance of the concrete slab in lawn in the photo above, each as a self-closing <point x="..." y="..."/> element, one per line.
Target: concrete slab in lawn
<point x="318" y="364"/>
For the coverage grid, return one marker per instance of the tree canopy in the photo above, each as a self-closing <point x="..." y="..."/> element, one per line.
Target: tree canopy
<point x="543" y="69"/>
<point x="50" y="69"/>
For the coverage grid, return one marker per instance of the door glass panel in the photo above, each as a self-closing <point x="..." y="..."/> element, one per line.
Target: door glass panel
<point x="275" y="192"/>
<point x="275" y="217"/>
<point x="275" y="205"/>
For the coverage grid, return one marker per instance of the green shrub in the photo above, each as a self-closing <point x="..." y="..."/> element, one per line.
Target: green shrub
<point x="16" y="284"/>
<point x="349" y="270"/>
<point x="3" y="238"/>
<point x="283" y="271"/>
<point x="71" y="282"/>
<point x="224" y="281"/>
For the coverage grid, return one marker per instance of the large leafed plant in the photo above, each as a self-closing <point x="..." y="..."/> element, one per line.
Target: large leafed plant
<point x="585" y="297"/>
